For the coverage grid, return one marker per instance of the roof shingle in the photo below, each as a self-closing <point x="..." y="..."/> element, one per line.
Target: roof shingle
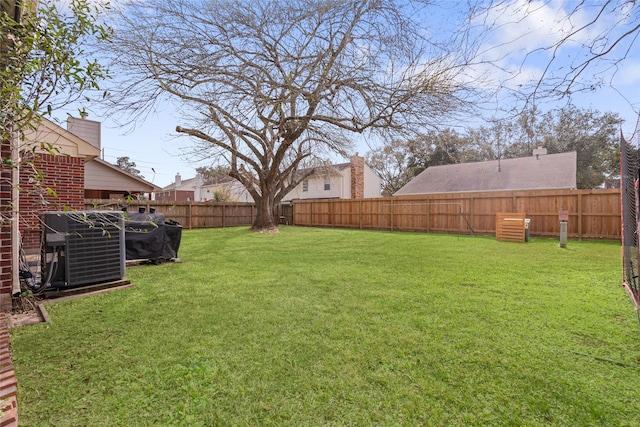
<point x="550" y="171"/>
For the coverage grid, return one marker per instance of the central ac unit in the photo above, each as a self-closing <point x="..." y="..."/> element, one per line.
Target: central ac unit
<point x="82" y="248"/>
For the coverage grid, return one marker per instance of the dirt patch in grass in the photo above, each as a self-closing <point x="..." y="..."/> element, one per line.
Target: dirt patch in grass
<point x="26" y="318"/>
<point x="36" y="314"/>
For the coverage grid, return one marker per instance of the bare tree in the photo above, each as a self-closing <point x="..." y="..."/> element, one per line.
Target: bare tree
<point x="266" y="85"/>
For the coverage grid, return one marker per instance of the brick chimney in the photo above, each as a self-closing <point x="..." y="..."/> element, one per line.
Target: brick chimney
<point x="357" y="177"/>
<point x="540" y="151"/>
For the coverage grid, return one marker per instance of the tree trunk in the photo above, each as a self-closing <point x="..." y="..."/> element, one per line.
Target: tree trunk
<point x="264" y="217"/>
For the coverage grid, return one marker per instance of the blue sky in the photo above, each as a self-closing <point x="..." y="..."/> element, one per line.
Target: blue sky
<point x="521" y="27"/>
<point x="520" y="47"/>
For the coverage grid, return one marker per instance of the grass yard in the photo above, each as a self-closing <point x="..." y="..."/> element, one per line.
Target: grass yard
<point x="316" y="327"/>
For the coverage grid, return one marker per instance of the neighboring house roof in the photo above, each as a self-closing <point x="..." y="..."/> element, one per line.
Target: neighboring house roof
<point x="82" y="139"/>
<point x="64" y="141"/>
<point x="218" y="180"/>
<point x="103" y="175"/>
<point x="184" y="185"/>
<point x="549" y="171"/>
<point x="324" y="170"/>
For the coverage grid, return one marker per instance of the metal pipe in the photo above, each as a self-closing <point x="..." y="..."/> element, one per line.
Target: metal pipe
<point x="15" y="217"/>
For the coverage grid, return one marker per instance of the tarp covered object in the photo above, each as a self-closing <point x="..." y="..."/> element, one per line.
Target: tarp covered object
<point x="148" y="236"/>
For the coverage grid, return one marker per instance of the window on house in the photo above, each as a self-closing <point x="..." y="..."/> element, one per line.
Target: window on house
<point x="327" y="184"/>
<point x="305" y="185"/>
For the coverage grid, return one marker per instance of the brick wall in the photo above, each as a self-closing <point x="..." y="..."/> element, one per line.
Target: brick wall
<point x="54" y="183"/>
<point x="175" y="196"/>
<point x="357" y="177"/>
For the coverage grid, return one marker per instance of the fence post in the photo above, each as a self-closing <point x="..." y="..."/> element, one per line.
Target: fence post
<point x="332" y="212"/>
<point x="360" y="213"/>
<point x="579" y="215"/>
<point x="471" y="212"/>
<point x="391" y="216"/>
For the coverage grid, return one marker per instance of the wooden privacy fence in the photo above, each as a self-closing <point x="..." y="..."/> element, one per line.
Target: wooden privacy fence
<point x="188" y="214"/>
<point x="592" y="213"/>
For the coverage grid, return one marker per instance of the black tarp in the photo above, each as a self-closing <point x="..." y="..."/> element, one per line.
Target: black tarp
<point x="149" y="236"/>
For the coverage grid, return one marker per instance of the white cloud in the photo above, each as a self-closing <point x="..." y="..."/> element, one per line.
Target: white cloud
<point x="524" y="26"/>
<point x="629" y="73"/>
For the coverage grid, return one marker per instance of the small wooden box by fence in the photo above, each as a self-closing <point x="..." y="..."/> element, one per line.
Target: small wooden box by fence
<point x="510" y="227"/>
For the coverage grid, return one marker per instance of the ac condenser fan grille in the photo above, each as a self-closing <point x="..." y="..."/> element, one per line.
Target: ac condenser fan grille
<point x="89" y="247"/>
<point x="93" y="254"/>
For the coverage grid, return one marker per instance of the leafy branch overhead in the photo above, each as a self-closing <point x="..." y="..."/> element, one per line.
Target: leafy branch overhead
<point x="45" y="60"/>
<point x="45" y="64"/>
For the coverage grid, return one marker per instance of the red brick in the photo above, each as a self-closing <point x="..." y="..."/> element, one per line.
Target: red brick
<point x="357" y="177"/>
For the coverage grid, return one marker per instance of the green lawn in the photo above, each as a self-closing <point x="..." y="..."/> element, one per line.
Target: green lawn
<point x="313" y="327"/>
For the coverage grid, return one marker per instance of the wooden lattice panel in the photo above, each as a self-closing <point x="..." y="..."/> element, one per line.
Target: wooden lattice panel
<point x="510" y="227"/>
